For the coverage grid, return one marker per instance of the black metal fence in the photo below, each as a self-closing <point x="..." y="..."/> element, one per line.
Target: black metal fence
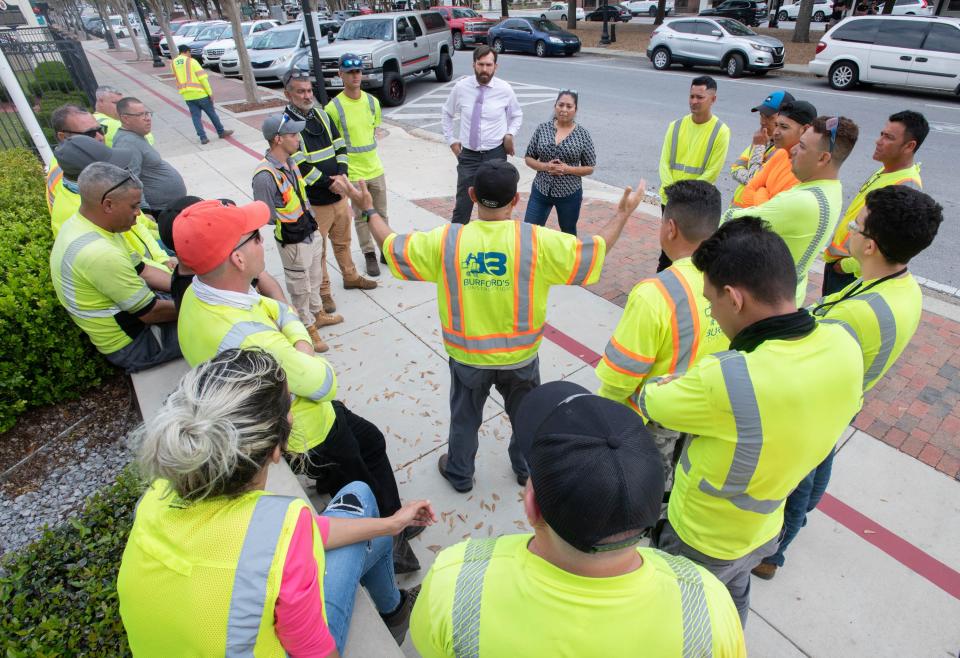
<point x="52" y="70"/>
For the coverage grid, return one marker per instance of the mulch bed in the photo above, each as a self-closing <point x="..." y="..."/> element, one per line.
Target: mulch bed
<point x="243" y="106"/>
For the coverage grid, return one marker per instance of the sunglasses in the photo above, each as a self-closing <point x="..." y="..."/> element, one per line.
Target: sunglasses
<point x="130" y="177"/>
<point x="146" y="114"/>
<point x="283" y="122"/>
<point x="92" y="133"/>
<point x="255" y="236"/>
<point x="352" y="63"/>
<point x="833" y="123"/>
<point x="853" y="227"/>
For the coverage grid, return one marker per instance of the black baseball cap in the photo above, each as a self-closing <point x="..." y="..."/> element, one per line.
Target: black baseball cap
<point x="75" y="153"/>
<point x="800" y="111"/>
<point x="772" y="103"/>
<point x="495" y="183"/>
<point x="595" y="470"/>
<point x="166" y="216"/>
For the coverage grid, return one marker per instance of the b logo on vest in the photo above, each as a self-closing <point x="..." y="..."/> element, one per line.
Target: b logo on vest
<point x="483" y="269"/>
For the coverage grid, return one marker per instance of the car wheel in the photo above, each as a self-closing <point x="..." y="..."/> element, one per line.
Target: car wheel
<point x="541" y="49"/>
<point x="458" y="41"/>
<point x="818" y="17"/>
<point x="782" y="16"/>
<point x="661" y="58"/>
<point x="543" y="16"/>
<point x="844" y="75"/>
<point x="652" y="12"/>
<point x="734" y="65"/>
<point x="444" y="70"/>
<point x="498" y="46"/>
<point x="563" y="17"/>
<point x="394" y="91"/>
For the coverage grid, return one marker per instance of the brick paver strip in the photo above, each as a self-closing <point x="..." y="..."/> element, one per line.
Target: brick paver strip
<point x="915" y="408"/>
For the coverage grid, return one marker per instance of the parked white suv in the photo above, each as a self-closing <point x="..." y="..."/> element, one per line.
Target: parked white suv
<point x="647" y="7"/>
<point x="819" y="13"/>
<point x="912" y="8"/>
<point x="558" y="12"/>
<point x="910" y="51"/>
<point x="723" y="42"/>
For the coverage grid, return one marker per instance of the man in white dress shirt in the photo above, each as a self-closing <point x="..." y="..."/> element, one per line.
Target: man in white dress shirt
<point x="490" y="117"/>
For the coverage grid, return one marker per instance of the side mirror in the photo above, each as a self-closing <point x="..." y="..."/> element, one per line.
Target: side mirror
<point x="330" y="37"/>
<point x="716" y="33"/>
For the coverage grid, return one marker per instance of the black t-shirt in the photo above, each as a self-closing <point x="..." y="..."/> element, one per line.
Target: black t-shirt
<point x="838" y="8"/>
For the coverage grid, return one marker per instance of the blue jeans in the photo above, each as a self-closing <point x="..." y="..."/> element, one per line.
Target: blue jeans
<point x="568" y="209"/>
<point x="803" y="499"/>
<point x="368" y="563"/>
<point x="204" y="105"/>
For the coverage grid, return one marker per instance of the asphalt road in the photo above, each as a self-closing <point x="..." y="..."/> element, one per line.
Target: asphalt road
<point x="627" y="105"/>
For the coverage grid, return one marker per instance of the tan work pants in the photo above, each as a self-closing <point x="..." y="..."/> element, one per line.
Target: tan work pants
<point x="334" y="222"/>
<point x="378" y="190"/>
<point x="303" y="271"/>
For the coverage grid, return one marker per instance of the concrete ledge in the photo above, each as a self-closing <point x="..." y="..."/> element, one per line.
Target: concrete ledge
<point x="368" y="635"/>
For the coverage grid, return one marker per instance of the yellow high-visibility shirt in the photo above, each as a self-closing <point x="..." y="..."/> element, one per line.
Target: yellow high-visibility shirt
<point x="492" y="280"/>
<point x="760" y="421"/>
<point x="357" y="121"/>
<point x="693" y="151"/>
<point x="192" y="82"/>
<point x="493" y="598"/>
<point x="665" y="329"/>
<point x="54" y="183"/>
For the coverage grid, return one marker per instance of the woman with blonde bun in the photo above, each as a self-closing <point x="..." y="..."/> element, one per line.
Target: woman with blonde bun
<point x="215" y="565"/>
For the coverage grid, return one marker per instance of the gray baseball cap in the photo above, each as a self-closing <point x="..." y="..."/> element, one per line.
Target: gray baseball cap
<point x="76" y="152"/>
<point x="280" y="124"/>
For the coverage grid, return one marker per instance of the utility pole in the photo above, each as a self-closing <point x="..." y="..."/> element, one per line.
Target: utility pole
<point x="605" y="34"/>
<point x="319" y="86"/>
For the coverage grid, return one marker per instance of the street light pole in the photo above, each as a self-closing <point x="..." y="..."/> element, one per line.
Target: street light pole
<point x="157" y="63"/>
<point x="605" y="34"/>
<point x="319" y="86"/>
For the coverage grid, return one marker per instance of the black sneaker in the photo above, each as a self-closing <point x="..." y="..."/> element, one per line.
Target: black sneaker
<point x="383" y="259"/>
<point x="204" y="141"/>
<point x="373" y="269"/>
<point x="442" y="467"/>
<point x="398" y="621"/>
<point x="404" y="559"/>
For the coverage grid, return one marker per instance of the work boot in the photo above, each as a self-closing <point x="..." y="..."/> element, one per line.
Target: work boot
<point x="404" y="559"/>
<point x="318" y="344"/>
<point x="383" y="259"/>
<point x="225" y="134"/>
<point x="372" y="268"/>
<point x="359" y="283"/>
<point x="442" y="467"/>
<point x="329" y="306"/>
<point x="204" y="141"/>
<point x="764" y="570"/>
<point x="326" y="319"/>
<point x="398" y="621"/>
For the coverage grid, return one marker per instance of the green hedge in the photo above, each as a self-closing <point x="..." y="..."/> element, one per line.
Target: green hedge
<point x="50" y="101"/>
<point x="59" y="595"/>
<point x="47" y="358"/>
<point x="51" y="76"/>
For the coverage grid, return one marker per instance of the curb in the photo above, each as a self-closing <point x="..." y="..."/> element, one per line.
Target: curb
<point x="798" y="72"/>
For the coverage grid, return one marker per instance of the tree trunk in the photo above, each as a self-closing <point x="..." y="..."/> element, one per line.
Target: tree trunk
<point x="216" y="5"/>
<point x="888" y="6"/>
<point x="205" y="8"/>
<point x="661" y="12"/>
<point x="161" y="9"/>
<point x="249" y="82"/>
<point x="801" y="33"/>
<point x="112" y="41"/>
<point x="505" y="8"/>
<point x="125" y="17"/>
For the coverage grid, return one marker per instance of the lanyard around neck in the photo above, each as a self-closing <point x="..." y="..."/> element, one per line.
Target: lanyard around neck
<point x="856" y="290"/>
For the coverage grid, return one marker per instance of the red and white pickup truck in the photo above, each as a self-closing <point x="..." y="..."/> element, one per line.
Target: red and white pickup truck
<point x="466" y="26"/>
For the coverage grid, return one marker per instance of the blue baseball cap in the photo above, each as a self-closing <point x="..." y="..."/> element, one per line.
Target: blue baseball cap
<point x="350" y="62"/>
<point x="771" y="104"/>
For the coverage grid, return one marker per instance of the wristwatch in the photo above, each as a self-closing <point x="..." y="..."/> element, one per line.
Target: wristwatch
<point x="366" y="214"/>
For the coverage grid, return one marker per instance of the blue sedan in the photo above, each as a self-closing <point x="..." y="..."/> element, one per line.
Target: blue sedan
<point x="532" y="35"/>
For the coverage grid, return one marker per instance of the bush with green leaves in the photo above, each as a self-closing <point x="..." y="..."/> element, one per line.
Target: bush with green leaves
<point x="58" y="596"/>
<point x="46" y="357"/>
<point x="51" y="76"/>
<point x="51" y="101"/>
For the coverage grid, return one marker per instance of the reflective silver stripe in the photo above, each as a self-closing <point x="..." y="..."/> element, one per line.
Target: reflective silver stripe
<point x="697" y="630"/>
<point x="675" y="166"/>
<point x="911" y="182"/>
<point x="325" y="388"/>
<point x="338" y="143"/>
<point x="343" y="159"/>
<point x="684" y="457"/>
<point x="823" y="225"/>
<point x="746" y="455"/>
<point x="396" y="250"/>
<point x="681" y="304"/>
<point x="320" y="155"/>
<point x="888" y="335"/>
<point x="346" y="132"/>
<point x="846" y="328"/>
<point x="253" y="569"/>
<point x="524" y="275"/>
<point x="286" y="316"/>
<point x="313" y="177"/>
<point x="586" y="260"/>
<point x="136" y="299"/>
<point x="834" y="251"/>
<point x="467" y="597"/>
<point x="69" y="291"/>
<point x="451" y="271"/>
<point x="494" y="343"/>
<point x="239" y="333"/>
<point x="642" y="400"/>
<point x="626" y="362"/>
<point x="299" y="157"/>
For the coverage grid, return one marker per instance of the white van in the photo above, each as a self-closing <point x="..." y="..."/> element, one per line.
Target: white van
<point x="909" y="51"/>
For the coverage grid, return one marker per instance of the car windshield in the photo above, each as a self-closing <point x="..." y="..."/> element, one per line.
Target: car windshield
<point x="190" y="31"/>
<point x="211" y="33"/>
<point x="366" y="29"/>
<point x="544" y="25"/>
<point x="276" y="39"/>
<point x="465" y="13"/>
<point x="736" y="28"/>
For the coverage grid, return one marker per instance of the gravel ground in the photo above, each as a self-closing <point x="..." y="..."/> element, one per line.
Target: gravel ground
<point x="55" y="481"/>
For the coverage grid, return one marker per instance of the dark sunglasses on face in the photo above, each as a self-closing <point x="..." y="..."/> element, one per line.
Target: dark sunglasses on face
<point x="92" y="133"/>
<point x="255" y="236"/>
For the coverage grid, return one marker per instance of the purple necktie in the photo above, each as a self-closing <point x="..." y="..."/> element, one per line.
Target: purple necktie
<point x="475" y="119"/>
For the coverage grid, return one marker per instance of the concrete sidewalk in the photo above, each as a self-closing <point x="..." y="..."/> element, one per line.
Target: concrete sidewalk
<point x="875" y="573"/>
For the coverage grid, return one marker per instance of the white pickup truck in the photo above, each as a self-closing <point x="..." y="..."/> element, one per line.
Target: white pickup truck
<point x="393" y="47"/>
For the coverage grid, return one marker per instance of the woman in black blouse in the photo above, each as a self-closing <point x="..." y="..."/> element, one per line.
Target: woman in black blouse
<point x="561" y="151"/>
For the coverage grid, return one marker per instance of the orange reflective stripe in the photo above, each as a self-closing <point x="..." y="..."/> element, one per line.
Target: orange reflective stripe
<point x="578" y="254"/>
<point x="400" y="253"/>
<point x="585" y="261"/>
<point x="674" y="332"/>
<point x="54" y="177"/>
<point x="627" y="362"/>
<point x="450" y="258"/>
<point x="695" y="317"/>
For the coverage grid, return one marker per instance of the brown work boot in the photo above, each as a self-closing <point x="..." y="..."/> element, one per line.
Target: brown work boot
<point x="764" y="570"/>
<point x="225" y="134"/>
<point x="327" y="319"/>
<point x="373" y="269"/>
<point x="360" y="283"/>
<point x="318" y="344"/>
<point x="398" y="621"/>
<point x="329" y="306"/>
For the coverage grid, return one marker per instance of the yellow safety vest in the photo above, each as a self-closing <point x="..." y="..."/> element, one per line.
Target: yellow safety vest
<point x="206" y="330"/>
<point x="364" y="162"/>
<point x="761" y="422"/>
<point x="838" y="246"/>
<point x="202" y="579"/>
<point x="693" y="151"/>
<point x="293" y="208"/>
<point x="493" y="278"/>
<point x="191" y="78"/>
<point x="54" y="183"/>
<point x="665" y="329"/>
<point x="322" y="154"/>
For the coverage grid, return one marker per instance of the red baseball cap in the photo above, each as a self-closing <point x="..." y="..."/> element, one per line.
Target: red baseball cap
<point x="207" y="232"/>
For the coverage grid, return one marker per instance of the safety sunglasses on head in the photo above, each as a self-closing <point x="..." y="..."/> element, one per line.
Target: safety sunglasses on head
<point x="92" y="133"/>
<point x="283" y="122"/>
<point x="833" y="123"/>
<point x="352" y="63"/>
